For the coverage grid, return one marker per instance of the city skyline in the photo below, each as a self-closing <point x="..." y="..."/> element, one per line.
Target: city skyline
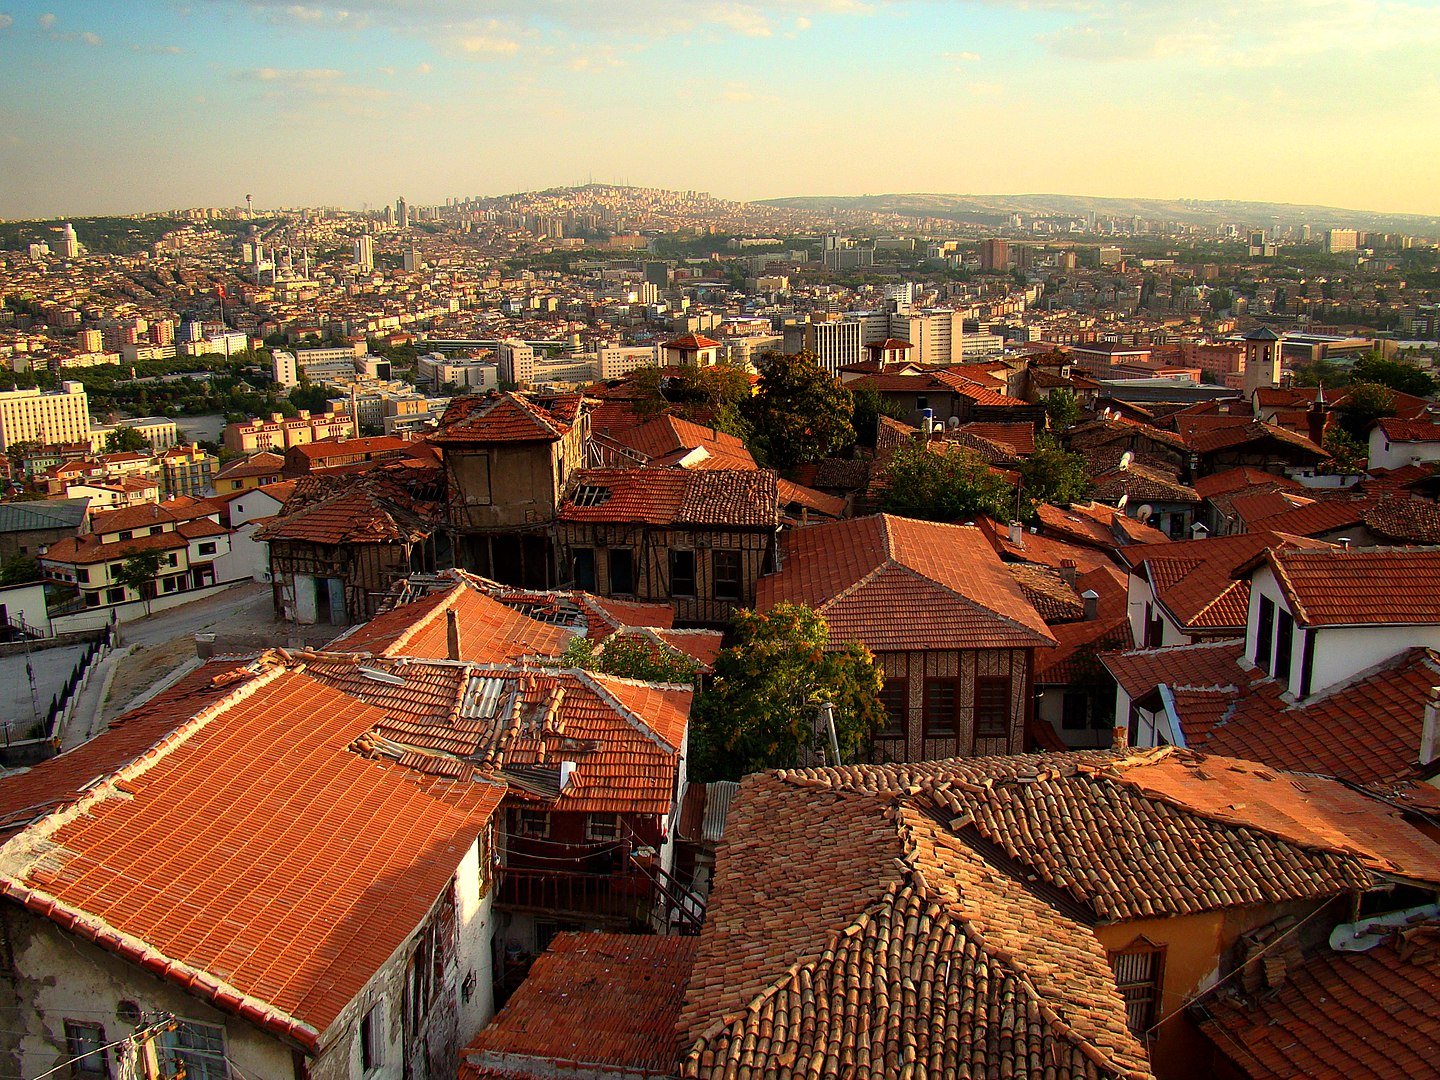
<point x="158" y="105"/>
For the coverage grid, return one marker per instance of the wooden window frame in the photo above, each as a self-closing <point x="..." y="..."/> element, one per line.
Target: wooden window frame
<point x="693" y="579"/>
<point x="78" y="1034"/>
<point x="1142" y="1010"/>
<point x="723" y="579"/>
<point x="929" y="727"/>
<point x="897" y="720"/>
<point x="986" y="682"/>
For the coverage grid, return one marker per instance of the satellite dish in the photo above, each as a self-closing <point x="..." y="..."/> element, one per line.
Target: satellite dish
<point x="953" y="422"/>
<point x="1143" y="514"/>
<point x="1124" y="500"/>
<point x="1125" y="459"/>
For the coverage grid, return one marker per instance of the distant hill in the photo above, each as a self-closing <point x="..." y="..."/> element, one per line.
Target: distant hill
<point x="989" y="209"/>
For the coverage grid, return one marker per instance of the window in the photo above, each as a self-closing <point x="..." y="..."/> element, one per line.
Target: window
<point x="726" y="568"/>
<point x="114" y="596"/>
<point x="591" y="495"/>
<point x="622" y="571"/>
<point x="197" y="1048"/>
<point x="602" y="827"/>
<point x="584" y="568"/>
<point x="207" y="548"/>
<point x="942" y="704"/>
<point x="92" y="599"/>
<point x="85" y="1044"/>
<point x="1284" y="639"/>
<point x="1139" y="968"/>
<point x="922" y="403"/>
<point x="992" y="707"/>
<point x="682" y="573"/>
<point x="83" y="574"/>
<point x="1262" y="634"/>
<point x="372" y="1038"/>
<point x="1075" y="713"/>
<point x="168" y="584"/>
<point x="532" y="822"/>
<point x="173" y="559"/>
<point x="893" y="697"/>
<point x="156" y="530"/>
<point x="126" y="534"/>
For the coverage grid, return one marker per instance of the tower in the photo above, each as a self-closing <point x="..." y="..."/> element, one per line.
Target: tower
<point x="365" y="253"/>
<point x="1262" y="359"/>
<point x="402" y="213"/>
<point x="69" y="242"/>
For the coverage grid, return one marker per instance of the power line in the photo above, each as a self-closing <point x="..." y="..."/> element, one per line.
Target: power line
<point x="135" y="1036"/>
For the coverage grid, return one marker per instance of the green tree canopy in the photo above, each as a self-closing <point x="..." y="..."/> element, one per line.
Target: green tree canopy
<point x="1362" y="406"/>
<point x="630" y="658"/>
<point x="139" y="571"/>
<point x="1395" y="374"/>
<point x="1062" y="407"/>
<point x="1054" y="476"/>
<point x="952" y="486"/>
<point x="1349" y="453"/>
<point x="763" y="707"/>
<point x="125" y="440"/>
<point x="799" y="413"/>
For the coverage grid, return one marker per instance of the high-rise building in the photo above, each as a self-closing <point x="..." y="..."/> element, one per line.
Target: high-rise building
<point x="516" y="362"/>
<point x="90" y="341"/>
<point x="402" y="213"/>
<point x="411" y="260"/>
<point x="835" y="342"/>
<point x="46" y="418"/>
<point x="365" y="253"/>
<point x="389" y="217"/>
<point x="69" y="242"/>
<point x="286" y="372"/>
<point x="994" y="255"/>
<point x="1337" y="240"/>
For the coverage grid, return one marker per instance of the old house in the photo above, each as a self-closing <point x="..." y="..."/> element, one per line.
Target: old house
<point x="950" y="625"/>
<point x="342" y="541"/>
<point x="699" y="539"/>
<point x="179" y="887"/>
<point x="507" y="465"/>
<point x="28" y="528"/>
<point x="1060" y="910"/>
<point x="1330" y="671"/>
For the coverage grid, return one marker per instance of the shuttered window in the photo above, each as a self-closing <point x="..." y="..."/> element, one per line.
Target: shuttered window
<point x="1139" y="970"/>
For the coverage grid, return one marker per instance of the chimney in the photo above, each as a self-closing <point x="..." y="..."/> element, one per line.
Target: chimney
<point x="205" y="648"/>
<point x="1092" y="604"/>
<point x="1068" y="573"/>
<point x="567" y="770"/>
<point x="452" y="635"/>
<point x="1315" y="422"/>
<point x="1120" y="737"/>
<point x="1017" y="534"/>
<point x="1430" y="728"/>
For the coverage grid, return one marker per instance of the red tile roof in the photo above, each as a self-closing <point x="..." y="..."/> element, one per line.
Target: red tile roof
<point x="672" y="496"/>
<point x="263" y="463"/>
<point x="1374" y="1014"/>
<point x="692" y="342"/>
<point x="215" y="862"/>
<point x="1238" y="478"/>
<point x="147" y="515"/>
<point x="898" y="584"/>
<point x="379" y="507"/>
<point x="592" y="1001"/>
<point x="1334" y="586"/>
<point x="87" y="550"/>
<point x="496" y="417"/>
<point x="790" y="494"/>
<point x="490" y="632"/>
<point x="1020" y="438"/>
<point x="1410" y="431"/>
<point x="666" y="435"/>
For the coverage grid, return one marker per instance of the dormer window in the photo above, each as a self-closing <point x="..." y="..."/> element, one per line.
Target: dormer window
<point x="591" y="495"/>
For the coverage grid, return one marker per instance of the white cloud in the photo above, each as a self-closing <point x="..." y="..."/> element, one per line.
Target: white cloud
<point x="423" y="68"/>
<point x="289" y="75"/>
<point x="157" y="50"/>
<point x="47" y="21"/>
<point x="6" y="21"/>
<point x="487" y="45"/>
<point x="387" y="70"/>
<point x="964" y="57"/>
<point x="91" y="38"/>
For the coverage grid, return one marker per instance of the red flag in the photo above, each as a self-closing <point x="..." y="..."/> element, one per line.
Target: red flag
<point x="220" y="291"/>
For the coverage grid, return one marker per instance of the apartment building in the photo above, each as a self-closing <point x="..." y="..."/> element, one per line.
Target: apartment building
<point x="278" y="432"/>
<point x="160" y="432"/>
<point x="61" y="416"/>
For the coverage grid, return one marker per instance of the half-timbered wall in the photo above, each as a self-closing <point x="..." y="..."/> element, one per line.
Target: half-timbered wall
<point x="911" y="670"/>
<point x="366" y="572"/>
<point x="650" y="549"/>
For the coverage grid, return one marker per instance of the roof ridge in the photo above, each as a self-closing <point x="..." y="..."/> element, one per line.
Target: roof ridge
<point x="634" y="719"/>
<point x="972" y="601"/>
<point x="447" y="601"/>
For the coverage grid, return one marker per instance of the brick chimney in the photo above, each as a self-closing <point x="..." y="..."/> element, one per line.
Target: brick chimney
<point x="1430" y="728"/>
<point x="1315" y="422"/>
<point x="452" y="635"/>
<point x="1068" y="573"/>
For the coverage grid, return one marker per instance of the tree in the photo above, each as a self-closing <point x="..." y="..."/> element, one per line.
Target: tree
<point x="1395" y="374"/>
<point x="314" y="398"/>
<point x="763" y="707"/>
<point x="1348" y="452"/>
<point x="18" y="569"/>
<point x="954" y="485"/>
<point x="1051" y="475"/>
<point x="139" y="571"/>
<point x="630" y="658"/>
<point x="800" y="412"/>
<point x="1062" y="407"/>
<point x="125" y="440"/>
<point x="1362" y="405"/>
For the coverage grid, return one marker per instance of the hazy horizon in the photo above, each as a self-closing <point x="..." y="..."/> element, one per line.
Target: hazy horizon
<point x="155" y="105"/>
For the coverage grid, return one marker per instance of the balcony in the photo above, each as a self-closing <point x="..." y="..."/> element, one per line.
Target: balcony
<point x="629" y="896"/>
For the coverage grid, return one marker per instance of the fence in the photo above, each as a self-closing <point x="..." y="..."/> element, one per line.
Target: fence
<point x="62" y="703"/>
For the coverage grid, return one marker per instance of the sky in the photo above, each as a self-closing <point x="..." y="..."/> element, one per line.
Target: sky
<point x="143" y="105"/>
